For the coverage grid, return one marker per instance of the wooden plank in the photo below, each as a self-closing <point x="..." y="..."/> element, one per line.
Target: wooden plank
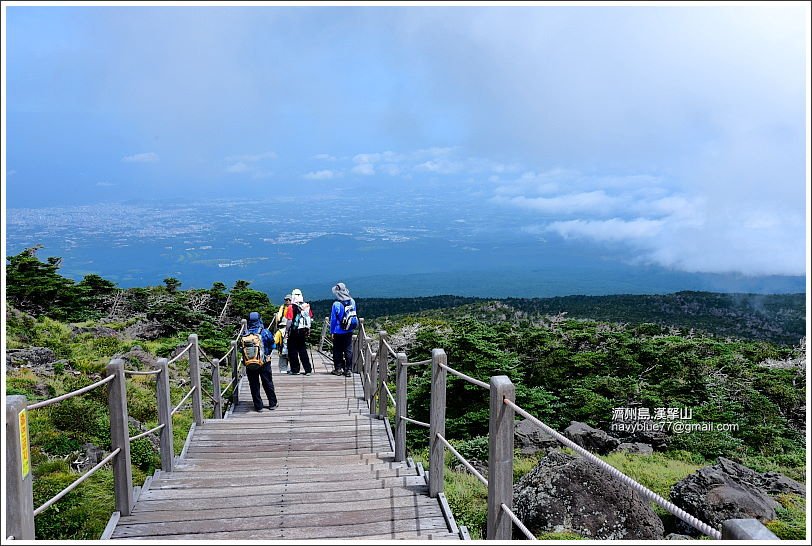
<point x="272" y="455"/>
<point x="248" y="498"/>
<point x="405" y="481"/>
<point x="294" y="459"/>
<point x="423" y="506"/>
<point x="225" y="471"/>
<point x="250" y="481"/>
<point x="250" y="449"/>
<point x="111" y="525"/>
<point x="308" y="526"/>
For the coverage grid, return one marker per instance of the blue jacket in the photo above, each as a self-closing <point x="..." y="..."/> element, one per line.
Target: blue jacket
<point x="255" y="326"/>
<point x="336" y="314"/>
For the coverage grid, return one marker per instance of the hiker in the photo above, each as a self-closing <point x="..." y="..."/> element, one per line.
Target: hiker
<point x="343" y="320"/>
<point x="279" y="336"/>
<point x="297" y="329"/>
<point x="258" y="362"/>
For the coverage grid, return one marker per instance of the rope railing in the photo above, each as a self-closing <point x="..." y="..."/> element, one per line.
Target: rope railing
<point x="390" y="349"/>
<point x="180" y="354"/>
<point x="419" y="363"/>
<point x="463" y="460"/>
<point x="177" y="408"/>
<point x="421" y="423"/>
<point x="466" y="377"/>
<point x="640" y="488"/>
<point x="138" y="372"/>
<point x="70" y="394"/>
<point x="145" y="433"/>
<point x="73" y="485"/>
<point x="517" y="522"/>
<point x="389" y="394"/>
<point x="202" y="353"/>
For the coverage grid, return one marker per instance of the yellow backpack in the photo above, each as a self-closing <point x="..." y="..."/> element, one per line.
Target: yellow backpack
<point x="253" y="353"/>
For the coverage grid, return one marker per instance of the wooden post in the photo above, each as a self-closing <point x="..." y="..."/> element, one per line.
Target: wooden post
<point x="500" y="459"/>
<point x="746" y="529"/>
<point x="19" y="476"/>
<point x="120" y="437"/>
<point x="400" y="409"/>
<point x="165" y="415"/>
<point x="323" y="334"/>
<point x="383" y="360"/>
<point x="194" y="375"/>
<point x="373" y="381"/>
<point x="215" y="387"/>
<point x="235" y="392"/>
<point x="437" y="422"/>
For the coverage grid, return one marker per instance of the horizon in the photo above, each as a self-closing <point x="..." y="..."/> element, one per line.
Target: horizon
<point x="536" y="148"/>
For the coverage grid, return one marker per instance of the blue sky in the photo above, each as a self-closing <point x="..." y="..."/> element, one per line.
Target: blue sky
<point x="677" y="132"/>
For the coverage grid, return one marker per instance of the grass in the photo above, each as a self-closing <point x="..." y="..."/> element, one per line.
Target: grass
<point x="790" y="523"/>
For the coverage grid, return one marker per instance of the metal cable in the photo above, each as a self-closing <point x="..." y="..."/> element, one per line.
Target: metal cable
<point x="467" y="378"/>
<point x="456" y="453"/>
<point x="71" y="394"/>
<point x="640" y="488"/>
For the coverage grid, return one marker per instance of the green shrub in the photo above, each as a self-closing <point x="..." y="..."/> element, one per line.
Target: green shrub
<point x="791" y="521"/>
<point x="24" y="385"/>
<point x="56" y="443"/>
<point x="143" y="454"/>
<point x="64" y="519"/>
<point x="77" y="414"/>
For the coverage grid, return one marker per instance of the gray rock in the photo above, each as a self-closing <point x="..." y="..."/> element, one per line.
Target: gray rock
<point x="564" y="493"/>
<point x="636" y="447"/>
<point x="677" y="536"/>
<point x="478" y="465"/>
<point x="138" y="357"/>
<point x="530" y="439"/>
<point x="144" y="330"/>
<point x="590" y="438"/>
<point x="32" y="357"/>
<point x="640" y="432"/>
<point x="726" y="490"/>
<point x="98" y="331"/>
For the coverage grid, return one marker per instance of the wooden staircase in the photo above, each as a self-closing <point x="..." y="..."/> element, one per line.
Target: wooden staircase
<point x="317" y="467"/>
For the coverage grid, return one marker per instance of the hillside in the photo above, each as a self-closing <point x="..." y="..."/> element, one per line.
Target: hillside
<point x="779" y="318"/>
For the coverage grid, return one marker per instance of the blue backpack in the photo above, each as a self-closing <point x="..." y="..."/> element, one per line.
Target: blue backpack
<point x="349" y="321"/>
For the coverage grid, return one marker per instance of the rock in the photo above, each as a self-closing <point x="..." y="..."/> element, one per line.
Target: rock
<point x="139" y="358"/>
<point x="98" y="331"/>
<point x="726" y="490"/>
<point x="478" y="465"/>
<point x="636" y="447"/>
<point x="144" y="330"/>
<point x="564" y="493"/>
<point x="39" y="359"/>
<point x="777" y="484"/>
<point x="92" y="456"/>
<point x="531" y="439"/>
<point x="677" y="536"/>
<point x="590" y="438"/>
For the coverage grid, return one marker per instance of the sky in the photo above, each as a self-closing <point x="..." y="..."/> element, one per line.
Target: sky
<point x="675" y="132"/>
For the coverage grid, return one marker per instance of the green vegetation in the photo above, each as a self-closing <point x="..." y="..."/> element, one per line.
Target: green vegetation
<point x="564" y="369"/>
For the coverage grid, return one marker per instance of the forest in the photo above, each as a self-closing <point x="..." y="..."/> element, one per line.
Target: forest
<point x="730" y="359"/>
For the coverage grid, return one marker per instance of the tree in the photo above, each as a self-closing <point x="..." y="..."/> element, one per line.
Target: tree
<point x="37" y="288"/>
<point x="172" y="284"/>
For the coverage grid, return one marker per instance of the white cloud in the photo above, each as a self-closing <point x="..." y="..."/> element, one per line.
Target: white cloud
<point x="239" y="167"/>
<point x="614" y="229"/>
<point x="325" y="174"/>
<point x="366" y="169"/>
<point x="146" y="157"/>
<point x="324" y="157"/>
<point x="591" y="203"/>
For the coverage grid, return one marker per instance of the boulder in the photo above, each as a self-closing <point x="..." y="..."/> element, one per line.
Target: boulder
<point x="677" y="536"/>
<point x="98" y="331"/>
<point x="636" y="447"/>
<point x="138" y="357"/>
<point x="565" y="493"/>
<point x="590" y="438"/>
<point x="530" y="439"/>
<point x="726" y="490"/>
<point x="640" y="432"/>
<point x="144" y="330"/>
<point x="39" y="359"/>
<point x="479" y="466"/>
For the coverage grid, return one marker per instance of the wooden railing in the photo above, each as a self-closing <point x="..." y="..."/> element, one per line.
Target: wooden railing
<point x="20" y="511"/>
<point x="372" y="364"/>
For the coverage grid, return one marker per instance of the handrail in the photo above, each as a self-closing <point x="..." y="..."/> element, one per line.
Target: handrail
<point x="462" y="459"/>
<point x="418" y="363"/>
<point x="202" y="352"/>
<point x="421" y="423"/>
<point x="73" y="485"/>
<point x="138" y="372"/>
<point x="518" y="522"/>
<point x="646" y="492"/>
<point x="466" y="377"/>
<point x="70" y="394"/>
<point x="228" y="353"/>
<point x="177" y="356"/>
<point x="390" y="349"/>
<point x="150" y="431"/>
<point x="177" y="408"/>
<point x="231" y="383"/>
<point x="389" y="394"/>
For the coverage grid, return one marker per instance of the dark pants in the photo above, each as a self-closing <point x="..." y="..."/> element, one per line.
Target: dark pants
<point x="297" y="350"/>
<point x="342" y="352"/>
<point x="263" y="374"/>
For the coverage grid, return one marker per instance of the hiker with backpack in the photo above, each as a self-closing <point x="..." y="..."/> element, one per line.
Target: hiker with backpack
<point x="279" y="336"/>
<point x="256" y="345"/>
<point x="299" y="319"/>
<point x="343" y="320"/>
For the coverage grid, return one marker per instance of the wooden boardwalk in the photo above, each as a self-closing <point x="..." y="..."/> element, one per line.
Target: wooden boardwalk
<point x="317" y="467"/>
